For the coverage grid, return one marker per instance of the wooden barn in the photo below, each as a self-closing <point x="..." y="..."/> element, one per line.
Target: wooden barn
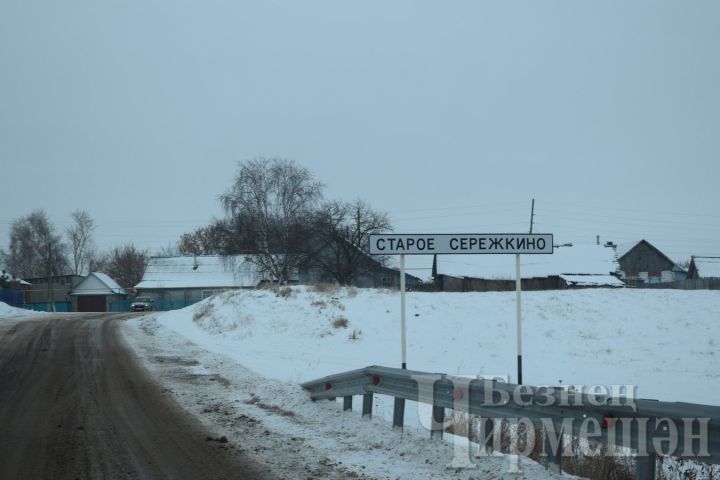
<point x="642" y="263"/>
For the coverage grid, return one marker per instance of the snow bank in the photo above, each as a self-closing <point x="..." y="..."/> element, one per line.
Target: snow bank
<point x="663" y="341"/>
<point x="6" y="311"/>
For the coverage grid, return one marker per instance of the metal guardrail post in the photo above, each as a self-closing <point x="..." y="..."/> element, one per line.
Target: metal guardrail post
<point x="347" y="402"/>
<point x="437" y="422"/>
<point x="553" y="459"/>
<point x="367" y="405"/>
<point x="399" y="412"/>
<point x="487" y="428"/>
<point x="645" y="467"/>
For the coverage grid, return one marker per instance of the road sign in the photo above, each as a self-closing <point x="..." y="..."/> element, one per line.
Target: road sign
<point x="465" y="243"/>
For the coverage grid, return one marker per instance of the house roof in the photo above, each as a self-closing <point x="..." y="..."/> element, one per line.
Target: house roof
<point x="202" y="271"/>
<point x="707" y="267"/>
<point x="97" y="283"/>
<point x="12" y="279"/>
<point x="577" y="260"/>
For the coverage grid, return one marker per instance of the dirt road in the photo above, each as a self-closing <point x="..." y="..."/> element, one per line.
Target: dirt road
<point x="75" y="405"/>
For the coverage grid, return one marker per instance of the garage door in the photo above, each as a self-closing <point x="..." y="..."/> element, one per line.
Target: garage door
<point x="91" y="303"/>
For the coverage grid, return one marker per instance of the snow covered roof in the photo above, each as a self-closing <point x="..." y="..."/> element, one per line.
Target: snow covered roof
<point x="203" y="271"/>
<point x="707" y="267"/>
<point x="12" y="279"/>
<point x="98" y="283"/>
<point x="575" y="260"/>
<point x="593" y="280"/>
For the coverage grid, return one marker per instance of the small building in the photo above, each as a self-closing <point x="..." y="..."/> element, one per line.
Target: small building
<point x="176" y="282"/>
<point x="569" y="266"/>
<point x="39" y="293"/>
<point x="703" y="267"/>
<point x="95" y="293"/>
<point x="642" y="263"/>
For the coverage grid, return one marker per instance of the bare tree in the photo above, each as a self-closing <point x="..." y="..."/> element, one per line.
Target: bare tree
<point x="273" y="199"/>
<point x="213" y="239"/>
<point x="125" y="264"/>
<point x="80" y="240"/>
<point x="36" y="250"/>
<point x="341" y="234"/>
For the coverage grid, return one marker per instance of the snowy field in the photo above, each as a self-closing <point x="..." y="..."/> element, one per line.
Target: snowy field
<point x="663" y="341"/>
<point x="235" y="361"/>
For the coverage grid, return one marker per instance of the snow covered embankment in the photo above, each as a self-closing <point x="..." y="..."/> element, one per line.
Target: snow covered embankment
<point x="6" y="311"/>
<point x="276" y="423"/>
<point x="296" y="334"/>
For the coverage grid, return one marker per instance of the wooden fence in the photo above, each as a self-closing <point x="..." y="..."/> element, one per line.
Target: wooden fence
<point x="689" y="284"/>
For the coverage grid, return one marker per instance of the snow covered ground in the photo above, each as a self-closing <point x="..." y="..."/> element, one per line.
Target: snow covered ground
<point x="6" y="311"/>
<point x="664" y="341"/>
<point x="261" y="343"/>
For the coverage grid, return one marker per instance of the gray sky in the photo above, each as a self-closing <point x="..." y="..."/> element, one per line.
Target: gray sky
<point x="451" y="116"/>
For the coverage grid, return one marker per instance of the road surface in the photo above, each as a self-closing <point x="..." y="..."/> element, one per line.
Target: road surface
<point x="74" y="404"/>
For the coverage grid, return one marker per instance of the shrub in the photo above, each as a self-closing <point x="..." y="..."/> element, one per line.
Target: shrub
<point x="340" y="322"/>
<point x="284" y="292"/>
<point x="325" y="288"/>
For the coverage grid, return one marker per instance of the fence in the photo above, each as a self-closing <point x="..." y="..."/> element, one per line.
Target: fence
<point x="63" y="307"/>
<point x="689" y="284"/>
<point x="646" y="426"/>
<point x="10" y="296"/>
<point x="160" y="305"/>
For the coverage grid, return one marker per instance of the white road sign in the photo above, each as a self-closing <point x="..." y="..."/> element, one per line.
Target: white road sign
<point x="465" y="243"/>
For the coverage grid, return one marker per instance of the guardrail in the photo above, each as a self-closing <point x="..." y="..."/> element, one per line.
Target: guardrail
<point x="649" y="427"/>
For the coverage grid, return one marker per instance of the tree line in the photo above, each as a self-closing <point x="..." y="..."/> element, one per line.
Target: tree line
<point x="274" y="212"/>
<point x="38" y="250"/>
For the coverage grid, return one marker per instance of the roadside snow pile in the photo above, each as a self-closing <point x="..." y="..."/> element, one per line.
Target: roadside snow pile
<point x="6" y="311"/>
<point x="291" y="437"/>
<point x="664" y="341"/>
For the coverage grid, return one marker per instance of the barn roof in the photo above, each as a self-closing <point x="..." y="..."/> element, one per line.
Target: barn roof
<point x="202" y="271"/>
<point x="626" y="248"/>
<point x="707" y="267"/>
<point x="577" y="260"/>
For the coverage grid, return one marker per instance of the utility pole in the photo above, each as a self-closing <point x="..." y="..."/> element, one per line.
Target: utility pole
<point x="532" y="214"/>
<point x="518" y="302"/>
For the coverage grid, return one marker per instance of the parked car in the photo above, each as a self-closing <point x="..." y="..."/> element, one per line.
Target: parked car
<point x="142" y="304"/>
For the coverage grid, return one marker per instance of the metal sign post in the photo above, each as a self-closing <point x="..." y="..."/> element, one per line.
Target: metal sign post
<point x="518" y="305"/>
<point x="403" y="342"/>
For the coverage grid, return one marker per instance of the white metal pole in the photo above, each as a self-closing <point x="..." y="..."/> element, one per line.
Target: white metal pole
<point x="403" y="348"/>
<point x="518" y="302"/>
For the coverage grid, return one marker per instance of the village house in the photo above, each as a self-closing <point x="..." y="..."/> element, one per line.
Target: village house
<point x="39" y="293"/>
<point x="95" y="293"/>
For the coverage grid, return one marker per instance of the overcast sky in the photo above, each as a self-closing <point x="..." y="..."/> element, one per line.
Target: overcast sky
<point x="449" y="115"/>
